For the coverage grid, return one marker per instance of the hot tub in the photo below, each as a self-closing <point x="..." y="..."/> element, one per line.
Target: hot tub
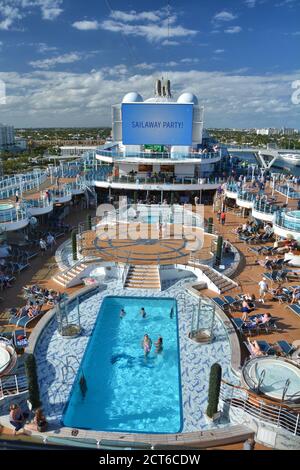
<point x="275" y="377"/>
<point x="4" y="359"/>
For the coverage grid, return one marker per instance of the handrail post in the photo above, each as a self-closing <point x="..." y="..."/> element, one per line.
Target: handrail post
<point x="297" y="423"/>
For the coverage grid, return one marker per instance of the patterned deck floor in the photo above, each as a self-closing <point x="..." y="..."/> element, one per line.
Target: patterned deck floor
<point x="53" y="352"/>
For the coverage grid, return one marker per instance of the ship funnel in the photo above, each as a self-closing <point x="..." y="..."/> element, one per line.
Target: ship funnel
<point x="169" y="89"/>
<point x="158" y="88"/>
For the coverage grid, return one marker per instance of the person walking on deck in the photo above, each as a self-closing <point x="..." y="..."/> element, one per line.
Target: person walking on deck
<point x="223" y="218"/>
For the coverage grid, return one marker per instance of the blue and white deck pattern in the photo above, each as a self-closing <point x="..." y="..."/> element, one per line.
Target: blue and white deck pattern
<point x="58" y="359"/>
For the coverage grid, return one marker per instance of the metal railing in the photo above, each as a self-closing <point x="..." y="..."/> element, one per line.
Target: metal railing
<point x="265" y="208"/>
<point x="13" y="215"/>
<point x="61" y="193"/>
<point x="11" y="385"/>
<point x="246" y="196"/>
<point x="128" y="179"/>
<point x="276" y="414"/>
<point x="288" y="190"/>
<point x="283" y="220"/>
<point x="159" y="155"/>
<point x="41" y="203"/>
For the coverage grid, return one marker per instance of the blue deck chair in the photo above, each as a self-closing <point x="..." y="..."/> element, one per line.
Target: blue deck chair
<point x="268" y="326"/>
<point x="25" y="321"/>
<point x="269" y="276"/>
<point x="14" y="319"/>
<point x="220" y="302"/>
<point x="285" y="347"/>
<point x="241" y="326"/>
<point x="231" y="300"/>
<point x="295" y="308"/>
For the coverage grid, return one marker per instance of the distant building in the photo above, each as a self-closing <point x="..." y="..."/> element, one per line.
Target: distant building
<point x="289" y="131"/>
<point x="268" y="131"/>
<point x="21" y="143"/>
<point x="263" y="131"/>
<point x="7" y="136"/>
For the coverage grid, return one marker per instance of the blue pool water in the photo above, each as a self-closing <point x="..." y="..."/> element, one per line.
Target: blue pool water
<point x="150" y="219"/>
<point x="124" y="391"/>
<point x="292" y="220"/>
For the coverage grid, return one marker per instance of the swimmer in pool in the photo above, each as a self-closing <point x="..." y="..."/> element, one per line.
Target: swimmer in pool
<point x="146" y="345"/>
<point x="159" y="345"/>
<point x="122" y="313"/>
<point x="143" y="312"/>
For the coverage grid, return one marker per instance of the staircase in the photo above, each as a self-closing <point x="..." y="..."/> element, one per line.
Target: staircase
<point x="143" y="277"/>
<point x="73" y="276"/>
<point x="215" y="281"/>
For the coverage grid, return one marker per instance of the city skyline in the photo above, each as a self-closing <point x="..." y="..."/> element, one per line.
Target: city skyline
<point x="65" y="64"/>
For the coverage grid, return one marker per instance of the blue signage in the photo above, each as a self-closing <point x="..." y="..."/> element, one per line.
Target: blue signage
<point x="157" y="124"/>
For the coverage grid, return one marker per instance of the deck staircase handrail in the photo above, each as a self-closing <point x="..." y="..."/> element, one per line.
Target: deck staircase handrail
<point x="201" y="265"/>
<point x="260" y="408"/>
<point x="71" y="268"/>
<point x="11" y="385"/>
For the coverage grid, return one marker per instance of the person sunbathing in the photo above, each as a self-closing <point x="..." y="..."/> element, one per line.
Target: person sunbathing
<point x="255" y="348"/>
<point x="296" y="295"/>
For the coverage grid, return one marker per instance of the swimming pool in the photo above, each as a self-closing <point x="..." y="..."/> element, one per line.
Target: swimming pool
<point x="150" y="219"/>
<point x="292" y="220"/>
<point x="6" y="207"/>
<point x="124" y="391"/>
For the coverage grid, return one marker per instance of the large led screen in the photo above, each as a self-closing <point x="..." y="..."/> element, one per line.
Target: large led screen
<point x="157" y="124"/>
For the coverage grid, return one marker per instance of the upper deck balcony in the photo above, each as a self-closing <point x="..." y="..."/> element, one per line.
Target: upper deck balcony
<point x="39" y="206"/>
<point x="170" y="183"/>
<point x="13" y="217"/>
<point x="117" y="155"/>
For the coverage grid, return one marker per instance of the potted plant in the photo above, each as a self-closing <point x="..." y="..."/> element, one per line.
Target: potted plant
<point x="33" y="386"/>
<point x="74" y="245"/>
<point x="214" y="392"/>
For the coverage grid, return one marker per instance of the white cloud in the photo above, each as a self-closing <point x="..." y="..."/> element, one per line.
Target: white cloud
<point x="168" y="42"/>
<point x="251" y="3"/>
<point x="47" y="64"/>
<point x="135" y="16"/>
<point x="224" y="16"/>
<point x="189" y="60"/>
<point x="219" y="51"/>
<point x="145" y="66"/>
<point x="86" y="25"/>
<point x="11" y="11"/>
<point x="154" y="26"/>
<point x="233" y="30"/>
<point x="44" y="48"/>
<point x="48" y="98"/>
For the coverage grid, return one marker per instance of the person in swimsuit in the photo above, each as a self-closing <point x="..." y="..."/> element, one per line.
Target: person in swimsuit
<point x="159" y="345"/>
<point x="143" y="312"/>
<point x="122" y="313"/>
<point x="146" y="345"/>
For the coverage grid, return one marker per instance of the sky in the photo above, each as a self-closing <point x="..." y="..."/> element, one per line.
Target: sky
<point x="65" y="62"/>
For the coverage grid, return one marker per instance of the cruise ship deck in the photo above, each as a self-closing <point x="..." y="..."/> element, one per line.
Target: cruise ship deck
<point x="188" y="270"/>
